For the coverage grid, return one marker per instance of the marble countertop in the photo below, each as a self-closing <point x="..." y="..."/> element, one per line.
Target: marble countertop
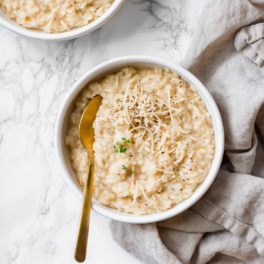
<point x="39" y="213"/>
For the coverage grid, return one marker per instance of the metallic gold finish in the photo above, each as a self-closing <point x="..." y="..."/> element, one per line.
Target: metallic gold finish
<point x="86" y="131"/>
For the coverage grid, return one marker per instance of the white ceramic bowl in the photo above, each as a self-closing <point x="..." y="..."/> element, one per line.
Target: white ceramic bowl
<point x="112" y="66"/>
<point x="71" y="34"/>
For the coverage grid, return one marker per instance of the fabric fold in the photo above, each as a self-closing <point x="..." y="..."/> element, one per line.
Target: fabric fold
<point x="250" y="41"/>
<point x="143" y="241"/>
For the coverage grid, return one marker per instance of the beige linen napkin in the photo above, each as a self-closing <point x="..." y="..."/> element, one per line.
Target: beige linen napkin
<point x="227" y="224"/>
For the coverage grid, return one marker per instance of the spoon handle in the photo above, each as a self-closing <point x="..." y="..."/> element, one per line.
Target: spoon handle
<point x="82" y="236"/>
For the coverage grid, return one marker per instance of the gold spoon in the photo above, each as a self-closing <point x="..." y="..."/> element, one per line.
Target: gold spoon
<point x="86" y="131"/>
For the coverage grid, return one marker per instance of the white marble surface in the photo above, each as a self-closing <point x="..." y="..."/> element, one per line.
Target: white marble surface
<point x="38" y="212"/>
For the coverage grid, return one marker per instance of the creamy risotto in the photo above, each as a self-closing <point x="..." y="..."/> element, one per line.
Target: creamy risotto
<point x="54" y="15"/>
<point x="154" y="140"/>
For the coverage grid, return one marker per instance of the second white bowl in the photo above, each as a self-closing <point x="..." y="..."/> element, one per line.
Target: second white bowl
<point x="71" y="34"/>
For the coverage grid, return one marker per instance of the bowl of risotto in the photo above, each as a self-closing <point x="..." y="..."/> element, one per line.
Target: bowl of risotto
<point x="159" y="139"/>
<point x="56" y="19"/>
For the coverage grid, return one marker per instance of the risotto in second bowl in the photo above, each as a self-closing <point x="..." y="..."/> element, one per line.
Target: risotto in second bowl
<point x="154" y="140"/>
<point x="54" y="16"/>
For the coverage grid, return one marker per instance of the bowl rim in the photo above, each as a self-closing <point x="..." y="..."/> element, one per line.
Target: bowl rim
<point x="71" y="34"/>
<point x="207" y="98"/>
